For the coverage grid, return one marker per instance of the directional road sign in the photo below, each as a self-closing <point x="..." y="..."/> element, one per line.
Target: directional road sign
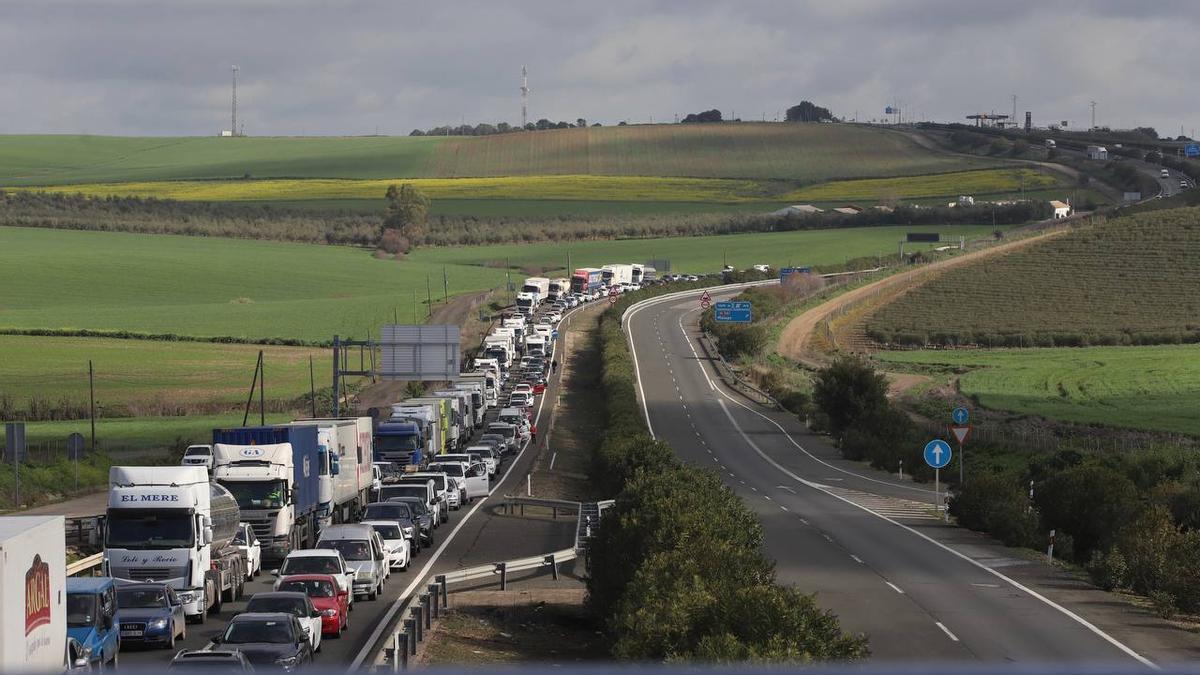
<point x="1192" y="150"/>
<point x="937" y="453"/>
<point x="961" y="433"/>
<point x="960" y="416"/>
<point x="732" y="312"/>
<point x="75" y="446"/>
<point x="786" y="272"/>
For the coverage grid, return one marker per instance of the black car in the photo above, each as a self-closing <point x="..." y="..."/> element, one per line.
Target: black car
<point x="403" y="514"/>
<point x="215" y="659"/>
<point x="424" y="516"/>
<point x="272" y="640"/>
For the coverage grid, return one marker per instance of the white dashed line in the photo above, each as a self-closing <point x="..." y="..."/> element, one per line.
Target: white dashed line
<point x="946" y="631"/>
<point x="897" y="589"/>
<point x="784" y="508"/>
<point x="857" y="559"/>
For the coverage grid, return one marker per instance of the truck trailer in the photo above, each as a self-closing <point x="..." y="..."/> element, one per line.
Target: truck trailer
<point x="170" y="524"/>
<point x="33" y="580"/>
<point x="617" y="274"/>
<point x="274" y="473"/>
<point x="587" y="280"/>
<point x="346" y="466"/>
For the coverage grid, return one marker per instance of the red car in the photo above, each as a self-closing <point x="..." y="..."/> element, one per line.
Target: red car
<point x="322" y="589"/>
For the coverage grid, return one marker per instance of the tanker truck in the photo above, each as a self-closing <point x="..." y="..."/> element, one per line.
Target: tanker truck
<point x="170" y="524"/>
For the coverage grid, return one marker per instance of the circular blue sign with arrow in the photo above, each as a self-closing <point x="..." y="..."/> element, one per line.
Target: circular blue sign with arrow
<point x="937" y="453"/>
<point x="960" y="415"/>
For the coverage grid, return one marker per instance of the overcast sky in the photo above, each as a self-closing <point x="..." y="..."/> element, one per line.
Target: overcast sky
<point x="161" y="67"/>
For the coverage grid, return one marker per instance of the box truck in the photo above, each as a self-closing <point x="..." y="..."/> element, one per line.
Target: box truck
<point x="539" y="286"/>
<point x="587" y="280"/>
<point x="452" y="425"/>
<point x="274" y="473"/>
<point x="345" y="468"/>
<point x="33" y="580"/>
<point x="170" y="524"/>
<point x="558" y="288"/>
<point x="616" y="274"/>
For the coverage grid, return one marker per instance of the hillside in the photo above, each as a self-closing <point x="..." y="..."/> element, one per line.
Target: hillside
<point x="1132" y="280"/>
<point x="801" y="153"/>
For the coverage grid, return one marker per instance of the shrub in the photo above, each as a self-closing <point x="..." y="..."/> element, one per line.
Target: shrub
<point x="1108" y="570"/>
<point x="848" y="391"/>
<point x="1087" y="502"/>
<point x="995" y="503"/>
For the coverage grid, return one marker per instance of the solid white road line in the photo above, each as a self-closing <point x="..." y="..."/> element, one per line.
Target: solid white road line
<point x="946" y="631"/>
<point x="857" y="559"/>
<point x="894" y="587"/>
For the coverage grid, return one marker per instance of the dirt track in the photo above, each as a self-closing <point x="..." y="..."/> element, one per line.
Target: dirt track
<point x="796" y="338"/>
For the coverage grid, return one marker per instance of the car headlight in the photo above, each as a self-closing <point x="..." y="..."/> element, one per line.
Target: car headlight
<point x="157" y="624"/>
<point x="287" y="661"/>
<point x="408" y="531"/>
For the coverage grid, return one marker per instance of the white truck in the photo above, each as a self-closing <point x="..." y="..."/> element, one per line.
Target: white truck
<point x="33" y="582"/>
<point x="517" y="323"/>
<point x="558" y="288"/>
<point x="488" y="384"/>
<point x="457" y="428"/>
<point x="527" y="303"/>
<point x="616" y="274"/>
<point x="345" y="468"/>
<point x="479" y="400"/>
<point x="636" y="274"/>
<point x="500" y="348"/>
<point x="466" y="402"/>
<point x="170" y="524"/>
<point x="430" y="421"/>
<point x="539" y="286"/>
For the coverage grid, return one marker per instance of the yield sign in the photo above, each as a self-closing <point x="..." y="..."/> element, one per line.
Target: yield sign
<point x="705" y="300"/>
<point x="961" y="433"/>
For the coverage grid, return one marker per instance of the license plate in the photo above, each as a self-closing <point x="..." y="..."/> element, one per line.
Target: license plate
<point x="131" y="633"/>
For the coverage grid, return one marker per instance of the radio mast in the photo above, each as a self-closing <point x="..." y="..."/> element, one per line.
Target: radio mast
<point x="524" y="97"/>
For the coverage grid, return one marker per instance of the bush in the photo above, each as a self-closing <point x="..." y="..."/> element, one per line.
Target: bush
<point x="1164" y="604"/>
<point x="1088" y="502"/>
<point x="995" y="503"/>
<point x="1108" y="570"/>
<point x="849" y="391"/>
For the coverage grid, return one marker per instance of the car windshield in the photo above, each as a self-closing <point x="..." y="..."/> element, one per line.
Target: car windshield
<point x="387" y="443"/>
<point x="139" y="529"/>
<point x="390" y="491"/>
<point x="257" y="494"/>
<point x="295" y="606"/>
<point x="350" y="549"/>
<point x="241" y="538"/>
<point x="455" y="470"/>
<point x="194" y="452"/>
<point x="313" y="588"/>
<point x="389" y="511"/>
<point x="311" y="565"/>
<point x="389" y="531"/>
<point x="81" y="610"/>
<point x="417" y="504"/>
<point x="141" y="598"/>
<point x="246" y="632"/>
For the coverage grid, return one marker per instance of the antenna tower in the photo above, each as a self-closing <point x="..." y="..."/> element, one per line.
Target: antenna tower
<point x="524" y="97"/>
<point x="233" y="127"/>
<point x="1093" y="104"/>
<point x="1014" y="115"/>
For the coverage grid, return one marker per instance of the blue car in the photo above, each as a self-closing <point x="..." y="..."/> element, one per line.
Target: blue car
<point x="91" y="618"/>
<point x="150" y="614"/>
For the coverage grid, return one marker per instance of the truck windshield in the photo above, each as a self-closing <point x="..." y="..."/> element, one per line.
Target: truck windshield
<point x="389" y="443"/>
<point x="149" y="530"/>
<point x="81" y="610"/>
<point x="257" y="494"/>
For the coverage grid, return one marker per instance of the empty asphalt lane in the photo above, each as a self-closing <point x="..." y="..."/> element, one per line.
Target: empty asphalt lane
<point x="916" y="599"/>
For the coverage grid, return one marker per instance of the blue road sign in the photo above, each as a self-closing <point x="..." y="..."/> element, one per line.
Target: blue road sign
<point x="732" y="312"/>
<point x="786" y="272"/>
<point x="960" y="416"/>
<point x="937" y="453"/>
<point x="1192" y="149"/>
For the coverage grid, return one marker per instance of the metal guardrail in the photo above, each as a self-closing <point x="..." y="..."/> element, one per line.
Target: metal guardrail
<point x="87" y="564"/>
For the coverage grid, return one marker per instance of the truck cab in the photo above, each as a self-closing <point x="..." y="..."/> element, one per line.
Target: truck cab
<point x="91" y="618"/>
<point x="400" y="441"/>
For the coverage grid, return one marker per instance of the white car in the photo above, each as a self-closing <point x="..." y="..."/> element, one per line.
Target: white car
<point x="198" y="455"/>
<point x="485" y="456"/>
<point x="455" y="494"/>
<point x="246" y="542"/>
<point x="553" y="316"/>
<point x="474" y="476"/>
<point x="520" y="399"/>
<point x="523" y="388"/>
<point x="318" y="561"/>
<point x="394" y="542"/>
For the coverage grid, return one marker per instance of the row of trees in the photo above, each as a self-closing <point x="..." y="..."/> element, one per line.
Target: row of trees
<point x="485" y="129"/>
<point x="676" y="570"/>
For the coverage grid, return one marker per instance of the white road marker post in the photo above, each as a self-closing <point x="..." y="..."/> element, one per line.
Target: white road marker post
<point x="1050" y="549"/>
<point x="528" y="485"/>
<point x="902" y="469"/>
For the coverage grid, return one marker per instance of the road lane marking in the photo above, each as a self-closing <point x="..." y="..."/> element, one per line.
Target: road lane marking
<point x="552" y="458"/>
<point x="857" y="559"/>
<point x="784" y="508"/>
<point x="827" y="537"/>
<point x="784" y="487"/>
<point x="895" y="587"/>
<point x="946" y="631"/>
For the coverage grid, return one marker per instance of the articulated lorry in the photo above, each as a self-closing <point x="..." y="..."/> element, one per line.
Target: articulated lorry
<point x="345" y="468"/>
<point x="539" y="286"/>
<point x="527" y="303"/>
<point x="558" y="288"/>
<point x="401" y="441"/>
<point x="452" y="425"/>
<point x="33" y="581"/>
<point x="587" y="280"/>
<point x="170" y="524"/>
<point x="274" y="473"/>
<point x="617" y="274"/>
<point x="466" y="406"/>
<point x="430" y="416"/>
<point x="489" y="384"/>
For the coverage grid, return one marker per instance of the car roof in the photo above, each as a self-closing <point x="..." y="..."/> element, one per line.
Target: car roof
<point x="88" y="584"/>
<point x="353" y="529"/>
<point x="262" y="616"/>
<point x="313" y="553"/>
<point x="305" y="577"/>
<point x="290" y="595"/>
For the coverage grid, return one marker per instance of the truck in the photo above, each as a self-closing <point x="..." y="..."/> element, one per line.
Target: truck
<point x="500" y="347"/>
<point x="274" y="474"/>
<point x="527" y="303"/>
<point x="587" y="280"/>
<point x="33" y="567"/>
<point x="636" y="272"/>
<point x="430" y="415"/>
<point x="346" y="466"/>
<point x="451" y="418"/>
<point x="170" y="524"/>
<point x="400" y="441"/>
<point x="488" y="383"/>
<point x="517" y="323"/>
<point x="649" y="274"/>
<point x="539" y="286"/>
<point x="479" y="400"/>
<point x="466" y="403"/>
<point x="614" y="274"/>
<point x="558" y="288"/>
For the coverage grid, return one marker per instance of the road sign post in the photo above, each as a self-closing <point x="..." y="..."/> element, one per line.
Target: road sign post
<point x="705" y="300"/>
<point x="937" y="456"/>
<point x="961" y="429"/>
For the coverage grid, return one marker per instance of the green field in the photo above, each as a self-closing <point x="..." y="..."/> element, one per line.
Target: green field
<point x="151" y="373"/>
<point x="1156" y="387"/>
<point x="807" y="153"/>
<point x="1133" y="280"/>
<point x="215" y="287"/>
<point x="125" y="434"/>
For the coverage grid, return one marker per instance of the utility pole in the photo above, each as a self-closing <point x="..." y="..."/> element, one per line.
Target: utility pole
<point x="1093" y="104"/>
<point x="92" y="399"/>
<point x="233" y="128"/>
<point x="445" y="285"/>
<point x="524" y="97"/>
<point x="428" y="296"/>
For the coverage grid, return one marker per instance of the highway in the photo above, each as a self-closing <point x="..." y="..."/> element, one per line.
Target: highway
<point x="860" y="540"/>
<point x="473" y="536"/>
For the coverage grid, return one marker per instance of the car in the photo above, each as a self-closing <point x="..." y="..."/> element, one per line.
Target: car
<point x="318" y="561"/>
<point x="247" y="542"/>
<point x="456" y="494"/>
<point x="211" y="659"/>
<point x="508" y="431"/>
<point x="322" y="590"/>
<point x="422" y="489"/>
<point x="554" y="316"/>
<point x="198" y="455"/>
<point x="496" y="439"/>
<point x="275" y="640"/>
<point x="439" y="486"/>
<point x="425" y="517"/>
<point x="394" y="542"/>
<point x="362" y="549"/>
<point x="91" y="618"/>
<point x="523" y="388"/>
<point x="401" y="514"/>
<point x="296" y="603"/>
<point x="150" y="614"/>
<point x="489" y="459"/>
<point x="474" y="476"/>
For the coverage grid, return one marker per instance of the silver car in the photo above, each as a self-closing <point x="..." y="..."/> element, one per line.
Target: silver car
<point x="362" y="548"/>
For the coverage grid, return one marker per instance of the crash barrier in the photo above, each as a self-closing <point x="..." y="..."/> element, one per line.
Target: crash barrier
<point x="730" y="374"/>
<point x="518" y="503"/>
<point x="418" y="613"/>
<point x="85" y="566"/>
